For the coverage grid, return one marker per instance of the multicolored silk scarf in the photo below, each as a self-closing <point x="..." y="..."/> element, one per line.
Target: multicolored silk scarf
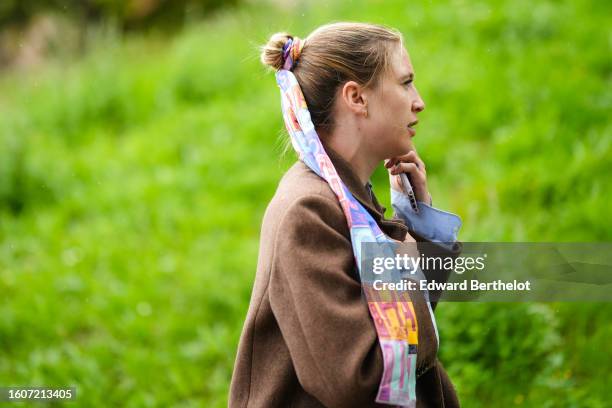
<point x="393" y="314"/>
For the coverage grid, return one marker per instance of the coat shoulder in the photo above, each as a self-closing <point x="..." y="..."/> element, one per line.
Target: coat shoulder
<point x="300" y="180"/>
<point x="300" y="183"/>
<point x="300" y="191"/>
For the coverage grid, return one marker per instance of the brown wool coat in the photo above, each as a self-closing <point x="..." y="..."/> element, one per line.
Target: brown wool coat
<point x="308" y="339"/>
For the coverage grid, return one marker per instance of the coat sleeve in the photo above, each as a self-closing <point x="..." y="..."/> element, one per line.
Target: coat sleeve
<point x="319" y="306"/>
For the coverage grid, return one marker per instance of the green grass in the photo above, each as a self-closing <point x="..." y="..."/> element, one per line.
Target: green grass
<point x="133" y="182"/>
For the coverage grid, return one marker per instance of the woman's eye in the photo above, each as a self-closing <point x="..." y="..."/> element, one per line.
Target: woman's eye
<point x="408" y="82"/>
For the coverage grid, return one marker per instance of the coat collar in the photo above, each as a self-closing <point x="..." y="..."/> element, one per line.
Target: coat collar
<point x="365" y="195"/>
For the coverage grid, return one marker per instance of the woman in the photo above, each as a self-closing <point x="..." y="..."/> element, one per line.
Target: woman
<point x="309" y="339"/>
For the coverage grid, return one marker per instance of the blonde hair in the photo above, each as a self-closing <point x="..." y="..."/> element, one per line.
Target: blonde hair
<point x="332" y="55"/>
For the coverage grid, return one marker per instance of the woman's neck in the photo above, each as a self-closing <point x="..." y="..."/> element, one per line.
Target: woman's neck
<point x="353" y="152"/>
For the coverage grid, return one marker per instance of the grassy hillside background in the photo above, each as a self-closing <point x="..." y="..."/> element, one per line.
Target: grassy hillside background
<point x="133" y="181"/>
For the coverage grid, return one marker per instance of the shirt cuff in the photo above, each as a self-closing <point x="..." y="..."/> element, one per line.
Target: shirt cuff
<point x="431" y="223"/>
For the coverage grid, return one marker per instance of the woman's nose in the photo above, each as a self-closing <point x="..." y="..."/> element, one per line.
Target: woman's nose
<point x="418" y="105"/>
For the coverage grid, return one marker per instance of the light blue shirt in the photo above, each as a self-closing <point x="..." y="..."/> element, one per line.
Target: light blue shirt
<point x="431" y="223"/>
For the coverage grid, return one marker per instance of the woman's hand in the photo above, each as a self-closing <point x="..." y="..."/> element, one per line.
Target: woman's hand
<point x="412" y="164"/>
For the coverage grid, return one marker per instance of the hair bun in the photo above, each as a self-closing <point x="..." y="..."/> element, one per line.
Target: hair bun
<point x="282" y="51"/>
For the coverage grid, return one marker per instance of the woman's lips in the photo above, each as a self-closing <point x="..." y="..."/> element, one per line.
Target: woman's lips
<point x="411" y="128"/>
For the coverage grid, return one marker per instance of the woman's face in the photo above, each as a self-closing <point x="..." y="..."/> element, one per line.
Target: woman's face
<point x="392" y="108"/>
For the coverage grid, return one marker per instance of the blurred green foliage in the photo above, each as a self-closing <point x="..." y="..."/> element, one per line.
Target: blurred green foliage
<point x="128" y="14"/>
<point x="133" y="183"/>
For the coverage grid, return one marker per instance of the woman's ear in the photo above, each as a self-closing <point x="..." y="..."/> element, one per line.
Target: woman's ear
<point x="354" y="98"/>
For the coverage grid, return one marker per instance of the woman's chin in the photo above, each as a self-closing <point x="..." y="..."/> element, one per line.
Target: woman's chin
<point x="406" y="146"/>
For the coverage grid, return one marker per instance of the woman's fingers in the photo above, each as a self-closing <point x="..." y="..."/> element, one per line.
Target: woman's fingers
<point x="411" y="157"/>
<point x="412" y="164"/>
<point x="391" y="162"/>
<point x="410" y="168"/>
<point x="420" y="162"/>
<point x="418" y="179"/>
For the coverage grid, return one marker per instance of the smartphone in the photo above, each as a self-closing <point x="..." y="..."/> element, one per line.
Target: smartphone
<point x="407" y="186"/>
